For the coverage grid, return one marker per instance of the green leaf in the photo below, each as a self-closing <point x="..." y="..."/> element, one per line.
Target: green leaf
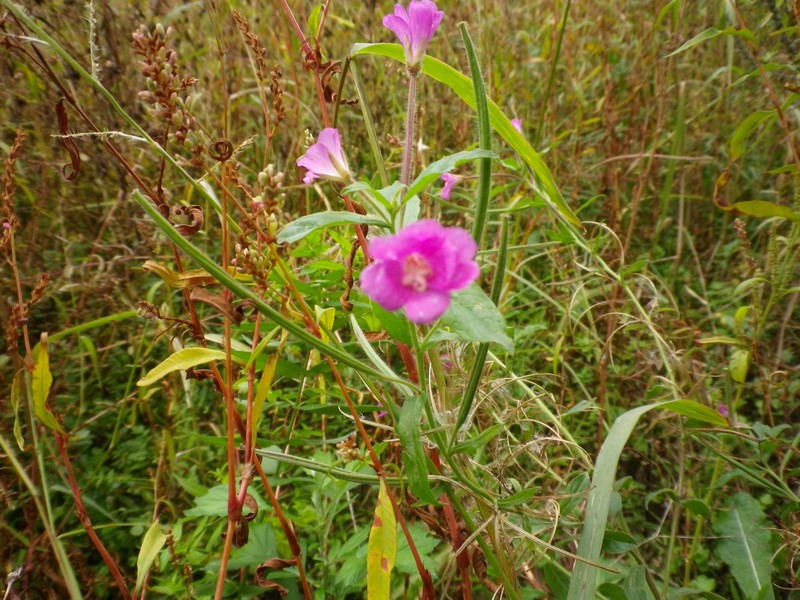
<point x="314" y="19"/>
<point x="480" y="440"/>
<point x="16" y="387"/>
<point x="737" y="367"/>
<point x="709" y="34"/>
<point x="698" y="507"/>
<point x="42" y="381"/>
<point x="444" y="165"/>
<point x="152" y="543"/>
<point x="381" y="548"/>
<point x="300" y="228"/>
<point x="414" y="458"/>
<point x="697" y="411"/>
<point x="747" y="127"/>
<point x="745" y="545"/>
<point x="520" y="497"/>
<point x="475" y="318"/>
<point x="180" y="361"/>
<point x="215" y="503"/>
<point x="463" y="88"/>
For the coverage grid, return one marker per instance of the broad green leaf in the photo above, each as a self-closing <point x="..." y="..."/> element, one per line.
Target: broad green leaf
<point x="414" y="458"/>
<point x="395" y="323"/>
<point x="762" y="209"/>
<point x="520" y="497"/>
<point x="463" y="88"/>
<point x="41" y="383"/>
<point x="745" y="545"/>
<point x="444" y="165"/>
<point x="180" y="361"/>
<point x="709" y="34"/>
<point x="475" y="318"/>
<point x="152" y="543"/>
<point x="583" y="583"/>
<point x="16" y="387"/>
<point x="745" y="128"/>
<point x="381" y="548"/>
<point x="737" y="367"/>
<point x="300" y="228"/>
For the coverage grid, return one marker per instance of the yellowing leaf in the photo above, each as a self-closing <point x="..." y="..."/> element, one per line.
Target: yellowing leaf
<point x="264" y="384"/>
<point x="152" y="543"/>
<point x="16" y="385"/>
<point x="42" y="381"/>
<point x="382" y="548"/>
<point x="737" y="367"/>
<point x="180" y="361"/>
<point x="325" y="317"/>
<point x="179" y="280"/>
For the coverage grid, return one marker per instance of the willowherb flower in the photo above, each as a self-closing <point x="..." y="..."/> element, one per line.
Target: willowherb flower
<point x="517" y="123"/>
<point x="450" y="182"/>
<point x="325" y="159"/>
<point x="419" y="267"/>
<point x="414" y="28"/>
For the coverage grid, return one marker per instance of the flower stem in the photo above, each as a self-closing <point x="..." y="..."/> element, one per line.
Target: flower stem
<point x="411" y="112"/>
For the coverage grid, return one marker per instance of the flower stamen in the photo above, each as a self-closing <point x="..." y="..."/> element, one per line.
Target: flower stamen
<point x="416" y="271"/>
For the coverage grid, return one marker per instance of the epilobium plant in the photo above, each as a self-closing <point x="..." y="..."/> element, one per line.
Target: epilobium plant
<point x="414" y="28"/>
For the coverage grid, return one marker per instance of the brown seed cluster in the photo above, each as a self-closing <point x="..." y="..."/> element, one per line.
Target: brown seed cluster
<point x="167" y="92"/>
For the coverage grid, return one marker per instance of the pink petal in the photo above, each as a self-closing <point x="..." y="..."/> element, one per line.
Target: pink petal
<point x="382" y="281"/>
<point x="426" y="307"/>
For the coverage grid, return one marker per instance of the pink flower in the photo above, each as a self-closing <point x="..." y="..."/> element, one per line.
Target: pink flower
<point x="414" y="28"/>
<point x="325" y="159"/>
<point x="450" y="181"/>
<point x="419" y="267"/>
<point x="517" y="123"/>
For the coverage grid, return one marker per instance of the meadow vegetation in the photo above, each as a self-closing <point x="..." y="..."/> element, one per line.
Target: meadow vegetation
<point x="200" y="399"/>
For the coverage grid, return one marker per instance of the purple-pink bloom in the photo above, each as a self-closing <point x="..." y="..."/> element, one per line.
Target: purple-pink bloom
<point x="414" y="28"/>
<point x="450" y="181"/>
<point x="325" y="159"/>
<point x="419" y="267"/>
<point x="517" y="123"/>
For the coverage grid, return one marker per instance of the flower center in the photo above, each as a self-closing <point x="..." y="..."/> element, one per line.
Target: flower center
<point x="416" y="271"/>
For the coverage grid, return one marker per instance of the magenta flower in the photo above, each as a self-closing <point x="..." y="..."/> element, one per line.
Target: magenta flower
<point x="450" y="181"/>
<point x="325" y="159"/>
<point x="414" y="28"/>
<point x="517" y="123"/>
<point x="419" y="267"/>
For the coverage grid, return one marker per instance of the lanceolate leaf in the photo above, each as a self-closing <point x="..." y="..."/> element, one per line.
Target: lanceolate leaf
<point x="381" y="549"/>
<point x="745" y="545"/>
<point x="300" y="228"/>
<point x="414" y="457"/>
<point x="16" y="386"/>
<point x="180" y="361"/>
<point x="462" y="86"/>
<point x="444" y="165"/>
<point x="41" y="383"/>
<point x="152" y="543"/>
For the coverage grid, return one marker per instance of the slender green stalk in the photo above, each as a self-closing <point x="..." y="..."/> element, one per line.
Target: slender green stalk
<point x="468" y="397"/>
<point x="484" y="137"/>
<point x="552" y="77"/>
<point x="45" y="512"/>
<point x="369" y="124"/>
